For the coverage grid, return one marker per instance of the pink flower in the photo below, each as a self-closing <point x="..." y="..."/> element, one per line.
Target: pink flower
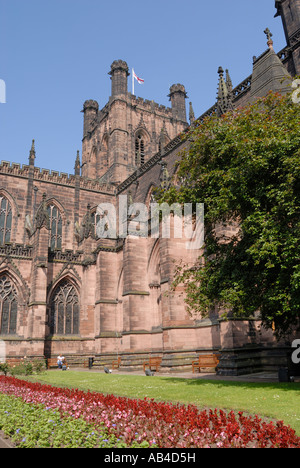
<point x="162" y="424"/>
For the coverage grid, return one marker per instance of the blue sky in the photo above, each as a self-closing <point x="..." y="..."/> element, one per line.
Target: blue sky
<point x="55" y="54"/>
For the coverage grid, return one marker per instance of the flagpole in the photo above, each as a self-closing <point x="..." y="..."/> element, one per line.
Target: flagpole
<point x="132" y="90"/>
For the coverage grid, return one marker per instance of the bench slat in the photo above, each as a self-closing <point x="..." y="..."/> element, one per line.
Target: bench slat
<point x="116" y="364"/>
<point x="153" y="362"/>
<point x="206" y="360"/>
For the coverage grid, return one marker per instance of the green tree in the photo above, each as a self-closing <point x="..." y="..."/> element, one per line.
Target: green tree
<point x="245" y="168"/>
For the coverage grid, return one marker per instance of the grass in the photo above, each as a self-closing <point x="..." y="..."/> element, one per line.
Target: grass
<point x="279" y="401"/>
<point x="33" y="426"/>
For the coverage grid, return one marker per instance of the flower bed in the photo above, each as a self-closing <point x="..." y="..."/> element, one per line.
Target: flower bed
<point x="152" y="423"/>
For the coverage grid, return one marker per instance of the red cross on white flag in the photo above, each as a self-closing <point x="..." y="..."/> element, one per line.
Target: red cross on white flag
<point x="137" y="78"/>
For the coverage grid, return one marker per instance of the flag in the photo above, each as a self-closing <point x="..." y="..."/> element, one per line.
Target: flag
<point x="139" y="80"/>
<point x="135" y="77"/>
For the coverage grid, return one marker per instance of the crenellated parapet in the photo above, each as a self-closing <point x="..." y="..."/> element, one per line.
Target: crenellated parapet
<point x="54" y="177"/>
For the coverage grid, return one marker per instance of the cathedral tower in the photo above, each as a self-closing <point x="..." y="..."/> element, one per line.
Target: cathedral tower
<point x="122" y="136"/>
<point x="289" y="10"/>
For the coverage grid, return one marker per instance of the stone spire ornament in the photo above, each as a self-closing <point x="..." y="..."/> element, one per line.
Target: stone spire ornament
<point x="269" y="73"/>
<point x="77" y="164"/>
<point x="165" y="179"/>
<point x="229" y="83"/>
<point x="191" y="114"/>
<point x="162" y="141"/>
<point x="32" y="154"/>
<point x="224" y="96"/>
<point x="42" y="216"/>
<point x="269" y="37"/>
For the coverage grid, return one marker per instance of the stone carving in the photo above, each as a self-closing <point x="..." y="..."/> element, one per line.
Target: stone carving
<point x="42" y="216"/>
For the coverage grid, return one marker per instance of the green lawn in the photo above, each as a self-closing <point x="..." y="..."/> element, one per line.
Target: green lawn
<point x="278" y="401"/>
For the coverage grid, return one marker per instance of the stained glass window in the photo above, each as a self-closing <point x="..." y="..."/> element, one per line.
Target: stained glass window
<point x="64" y="310"/>
<point x="5" y="220"/>
<point x="55" y="219"/>
<point x="8" y="306"/>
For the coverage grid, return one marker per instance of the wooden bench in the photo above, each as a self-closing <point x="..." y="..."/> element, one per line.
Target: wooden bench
<point x="154" y="362"/>
<point x="116" y="364"/>
<point x="52" y="362"/>
<point x="206" y="360"/>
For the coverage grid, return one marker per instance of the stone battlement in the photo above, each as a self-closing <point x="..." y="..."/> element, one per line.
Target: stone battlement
<point x="54" y="177"/>
<point x="151" y="105"/>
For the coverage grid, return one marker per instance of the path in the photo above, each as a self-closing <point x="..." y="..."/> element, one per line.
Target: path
<point x="4" y="442"/>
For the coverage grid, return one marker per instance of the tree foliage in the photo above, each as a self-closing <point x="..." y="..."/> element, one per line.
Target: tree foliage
<point x="245" y="168"/>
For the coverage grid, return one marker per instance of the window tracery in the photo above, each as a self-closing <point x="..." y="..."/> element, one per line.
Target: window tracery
<point x="8" y="306"/>
<point x="55" y="222"/>
<point x="64" y="310"/>
<point x="139" y="150"/>
<point x="5" y="220"/>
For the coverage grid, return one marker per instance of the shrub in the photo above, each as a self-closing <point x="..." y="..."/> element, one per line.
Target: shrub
<point x="24" y="367"/>
<point x="4" y="367"/>
<point x="39" y="366"/>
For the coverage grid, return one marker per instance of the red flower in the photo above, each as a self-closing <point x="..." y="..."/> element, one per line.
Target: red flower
<point x="166" y="425"/>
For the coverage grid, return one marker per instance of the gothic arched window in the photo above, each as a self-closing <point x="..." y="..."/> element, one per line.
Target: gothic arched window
<point x="5" y="220"/>
<point x="55" y="239"/>
<point x="8" y="306"/>
<point x="64" y="310"/>
<point x="139" y="150"/>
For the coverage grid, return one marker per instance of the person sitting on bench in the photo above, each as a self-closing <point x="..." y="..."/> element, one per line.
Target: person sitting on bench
<point x="60" y="361"/>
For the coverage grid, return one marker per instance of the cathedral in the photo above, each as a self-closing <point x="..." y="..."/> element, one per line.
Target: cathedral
<point x="66" y="289"/>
